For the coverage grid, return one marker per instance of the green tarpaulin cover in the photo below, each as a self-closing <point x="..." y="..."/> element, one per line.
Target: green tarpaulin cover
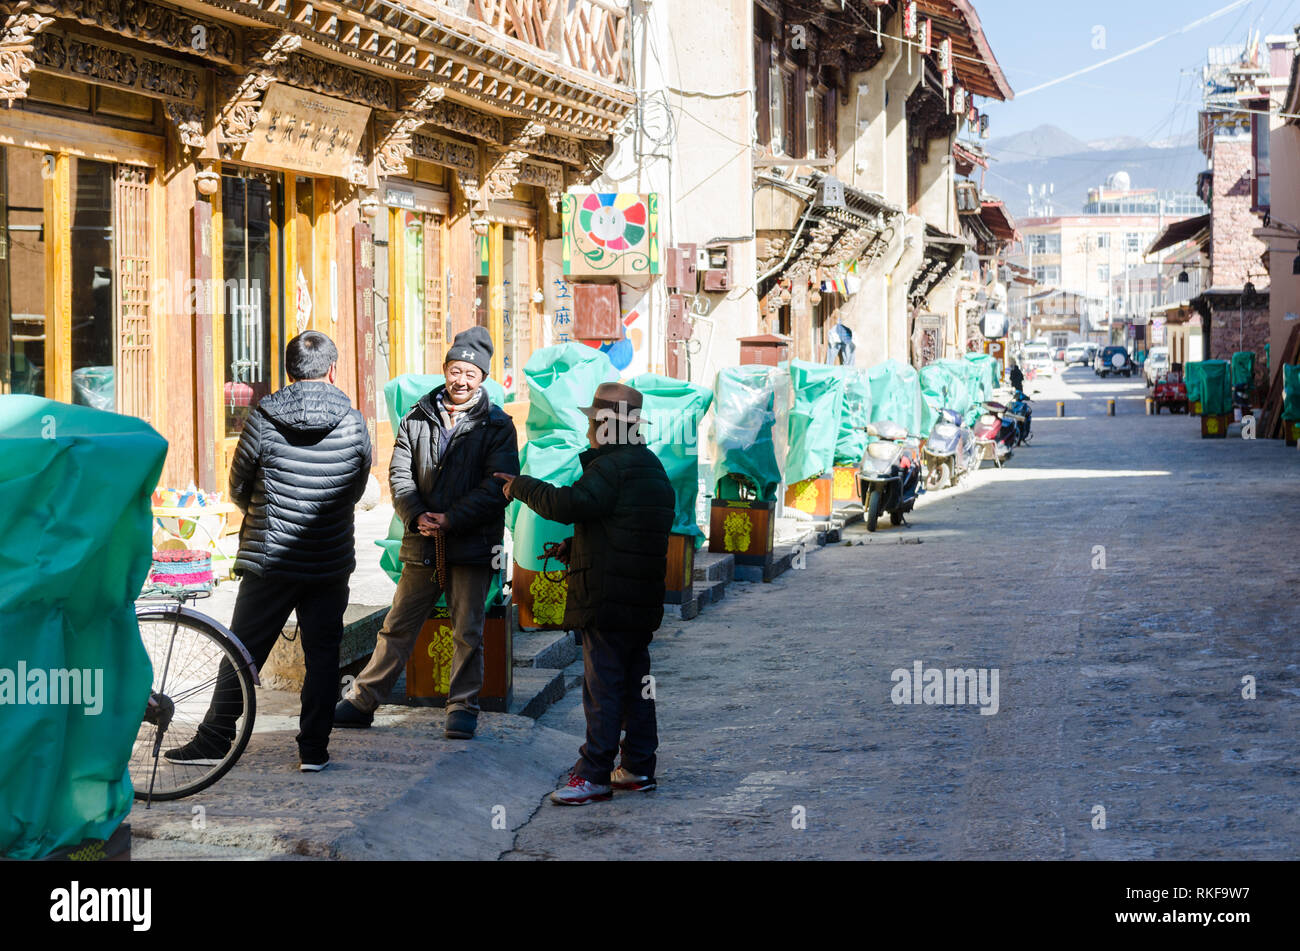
<point x="75" y="548"/>
<point x="400" y="394"/>
<point x="673" y="410"/>
<point x="744" y="417"/>
<point x="1243" y="368"/>
<point x="852" y="441"/>
<point x="991" y="373"/>
<point x="814" y="425"/>
<point x="561" y="380"/>
<point x="1194" y="377"/>
<point x="945" y="385"/>
<point x="1216" y="380"/>
<point x="896" y="395"/>
<point x="1291" y="392"/>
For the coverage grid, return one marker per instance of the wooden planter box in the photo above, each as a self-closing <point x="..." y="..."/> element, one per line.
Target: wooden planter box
<point x="116" y="848"/>
<point x="845" y="484"/>
<point x="540" y="600"/>
<point x="679" y="579"/>
<point x="428" y="672"/>
<point x="1290" y="432"/>
<point x="814" y="496"/>
<point x="742" y="529"/>
<point x="1215" y="426"/>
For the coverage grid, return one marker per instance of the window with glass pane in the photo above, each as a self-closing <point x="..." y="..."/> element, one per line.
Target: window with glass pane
<point x="23" y="321"/>
<point x="91" y="259"/>
<point x="251" y="213"/>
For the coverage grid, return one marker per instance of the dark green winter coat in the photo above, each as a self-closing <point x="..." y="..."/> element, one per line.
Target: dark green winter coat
<point x="621" y="510"/>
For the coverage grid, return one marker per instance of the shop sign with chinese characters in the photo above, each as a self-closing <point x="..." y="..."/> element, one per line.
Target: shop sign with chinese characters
<point x="306" y="132"/>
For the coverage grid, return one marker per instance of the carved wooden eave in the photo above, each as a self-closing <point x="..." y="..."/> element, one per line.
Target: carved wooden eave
<point x="393" y="138"/>
<point x="475" y="64"/>
<point x="16" y="45"/>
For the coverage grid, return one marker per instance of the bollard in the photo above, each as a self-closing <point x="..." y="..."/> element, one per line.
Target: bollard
<point x="1110" y="407"/>
<point x="1060" y="408"/>
<point x="1151" y="406"/>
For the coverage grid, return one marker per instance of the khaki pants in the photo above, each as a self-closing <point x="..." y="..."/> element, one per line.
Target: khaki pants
<point x="417" y="593"/>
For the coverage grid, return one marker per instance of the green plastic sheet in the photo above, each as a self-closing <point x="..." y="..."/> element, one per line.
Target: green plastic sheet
<point x="990" y="370"/>
<point x="744" y="418"/>
<point x="561" y="380"/>
<point x="673" y="410"/>
<point x="945" y="385"/>
<point x="400" y="394"/>
<point x="1194" y="378"/>
<point x="75" y="548"/>
<point x="852" y="441"/>
<point x="1243" y="368"/>
<point x="1216" y="380"/>
<point x="1291" y="392"/>
<point x="814" y="426"/>
<point x="896" y="395"/>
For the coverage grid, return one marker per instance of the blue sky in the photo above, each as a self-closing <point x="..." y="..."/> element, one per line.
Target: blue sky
<point x="1151" y="95"/>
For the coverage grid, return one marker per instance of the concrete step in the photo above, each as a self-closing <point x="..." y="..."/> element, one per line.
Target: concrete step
<point x="711" y="566"/>
<point x="550" y="649"/>
<point x="535" y="689"/>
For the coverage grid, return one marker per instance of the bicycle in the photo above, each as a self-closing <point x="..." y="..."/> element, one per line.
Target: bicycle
<point x="192" y="655"/>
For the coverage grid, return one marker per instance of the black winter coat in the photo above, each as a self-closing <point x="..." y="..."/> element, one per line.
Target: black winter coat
<point x="456" y="479"/>
<point x="299" y="470"/>
<point x="622" y="511"/>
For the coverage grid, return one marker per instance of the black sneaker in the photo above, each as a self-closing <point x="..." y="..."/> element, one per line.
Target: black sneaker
<point x="197" y="752"/>
<point x="348" y="715"/>
<point x="312" y="762"/>
<point x="460" y="725"/>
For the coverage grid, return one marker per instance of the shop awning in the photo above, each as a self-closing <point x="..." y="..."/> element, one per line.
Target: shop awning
<point x="1189" y="229"/>
<point x="998" y="220"/>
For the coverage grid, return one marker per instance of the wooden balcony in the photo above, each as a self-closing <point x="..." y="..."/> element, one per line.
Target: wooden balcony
<point x="586" y="34"/>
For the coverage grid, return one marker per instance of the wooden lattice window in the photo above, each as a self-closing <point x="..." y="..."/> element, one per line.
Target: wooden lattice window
<point x="132" y="317"/>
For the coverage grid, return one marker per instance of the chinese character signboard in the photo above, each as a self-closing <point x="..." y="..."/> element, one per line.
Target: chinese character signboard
<point x="608" y="234"/>
<point x="306" y="132"/>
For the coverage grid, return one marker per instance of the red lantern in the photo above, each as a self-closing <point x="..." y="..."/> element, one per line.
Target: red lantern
<point x="909" y="18"/>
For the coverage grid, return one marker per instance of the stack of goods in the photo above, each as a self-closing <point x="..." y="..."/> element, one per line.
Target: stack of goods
<point x="182" y="569"/>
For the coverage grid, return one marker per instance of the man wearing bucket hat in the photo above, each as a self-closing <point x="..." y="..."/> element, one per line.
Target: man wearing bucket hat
<point x="621" y="510"/>
<point x="448" y="447"/>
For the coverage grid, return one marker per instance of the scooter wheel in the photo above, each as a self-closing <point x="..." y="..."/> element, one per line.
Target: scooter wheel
<point x="940" y="477"/>
<point x="873" y="509"/>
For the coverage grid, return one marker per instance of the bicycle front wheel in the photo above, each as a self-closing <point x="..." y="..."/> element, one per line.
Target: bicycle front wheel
<point x="196" y="670"/>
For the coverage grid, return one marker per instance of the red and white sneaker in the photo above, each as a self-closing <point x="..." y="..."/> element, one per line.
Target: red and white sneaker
<point x="578" y="792"/>
<point x="624" y="781"/>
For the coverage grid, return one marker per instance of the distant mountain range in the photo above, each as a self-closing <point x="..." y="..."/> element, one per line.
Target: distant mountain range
<point x="1051" y="155"/>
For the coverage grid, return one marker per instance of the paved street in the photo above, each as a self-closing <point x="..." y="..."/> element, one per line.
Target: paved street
<point x="1119" y="687"/>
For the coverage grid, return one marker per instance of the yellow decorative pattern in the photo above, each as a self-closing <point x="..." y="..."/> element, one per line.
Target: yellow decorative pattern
<point x="805" y="495"/>
<point x="440" y="652"/>
<point x="736" y="530"/>
<point x="548" y="599"/>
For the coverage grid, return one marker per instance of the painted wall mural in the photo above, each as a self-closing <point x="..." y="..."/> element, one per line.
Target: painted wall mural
<point x="611" y="234"/>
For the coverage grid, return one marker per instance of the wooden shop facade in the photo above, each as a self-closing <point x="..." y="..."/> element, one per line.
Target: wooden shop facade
<point x="185" y="186"/>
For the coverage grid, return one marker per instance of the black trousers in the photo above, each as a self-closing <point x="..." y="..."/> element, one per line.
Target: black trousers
<point x="261" y="609"/>
<point x="616" y="699"/>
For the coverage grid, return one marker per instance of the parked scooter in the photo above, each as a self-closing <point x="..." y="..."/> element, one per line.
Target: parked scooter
<point x="950" y="452"/>
<point x="1021" y="412"/>
<point x="995" y="434"/>
<point x="889" y="475"/>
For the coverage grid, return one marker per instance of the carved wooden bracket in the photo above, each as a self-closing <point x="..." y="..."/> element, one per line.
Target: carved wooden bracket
<point x="394" y="138"/>
<point x="15" y="51"/>
<point x="243" y="95"/>
<point x="188" y="119"/>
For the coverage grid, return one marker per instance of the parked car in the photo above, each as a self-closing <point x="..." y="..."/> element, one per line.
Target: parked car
<point x="1114" y="360"/>
<point x="1038" y="360"/>
<point x="1081" y="353"/>
<point x="1059" y="355"/>
<point x="1157" y="364"/>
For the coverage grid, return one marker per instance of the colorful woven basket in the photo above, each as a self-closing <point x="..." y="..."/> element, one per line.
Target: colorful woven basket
<point x="186" y="568"/>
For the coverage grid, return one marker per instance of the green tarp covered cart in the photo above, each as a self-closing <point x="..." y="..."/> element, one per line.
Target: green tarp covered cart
<point x="1216" y="387"/>
<point x="744" y="420"/>
<point x="896" y="395"/>
<point x="75" y="544"/>
<point x="673" y="410"/>
<point x="854" y="416"/>
<point x="814" y="427"/>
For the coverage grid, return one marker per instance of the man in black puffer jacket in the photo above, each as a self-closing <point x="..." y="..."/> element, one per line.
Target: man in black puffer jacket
<point x="300" y="468"/>
<point x="447" y="448"/>
<point x="622" y="511"/>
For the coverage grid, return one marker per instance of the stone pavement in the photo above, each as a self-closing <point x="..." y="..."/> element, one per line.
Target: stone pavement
<point x="1120" y="687"/>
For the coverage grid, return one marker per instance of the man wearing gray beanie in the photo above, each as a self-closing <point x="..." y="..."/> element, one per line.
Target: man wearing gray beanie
<point x="448" y="446"/>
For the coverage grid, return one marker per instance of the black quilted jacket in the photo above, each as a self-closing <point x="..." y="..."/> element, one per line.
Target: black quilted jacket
<point x="299" y="470"/>
<point x="622" y="511"/>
